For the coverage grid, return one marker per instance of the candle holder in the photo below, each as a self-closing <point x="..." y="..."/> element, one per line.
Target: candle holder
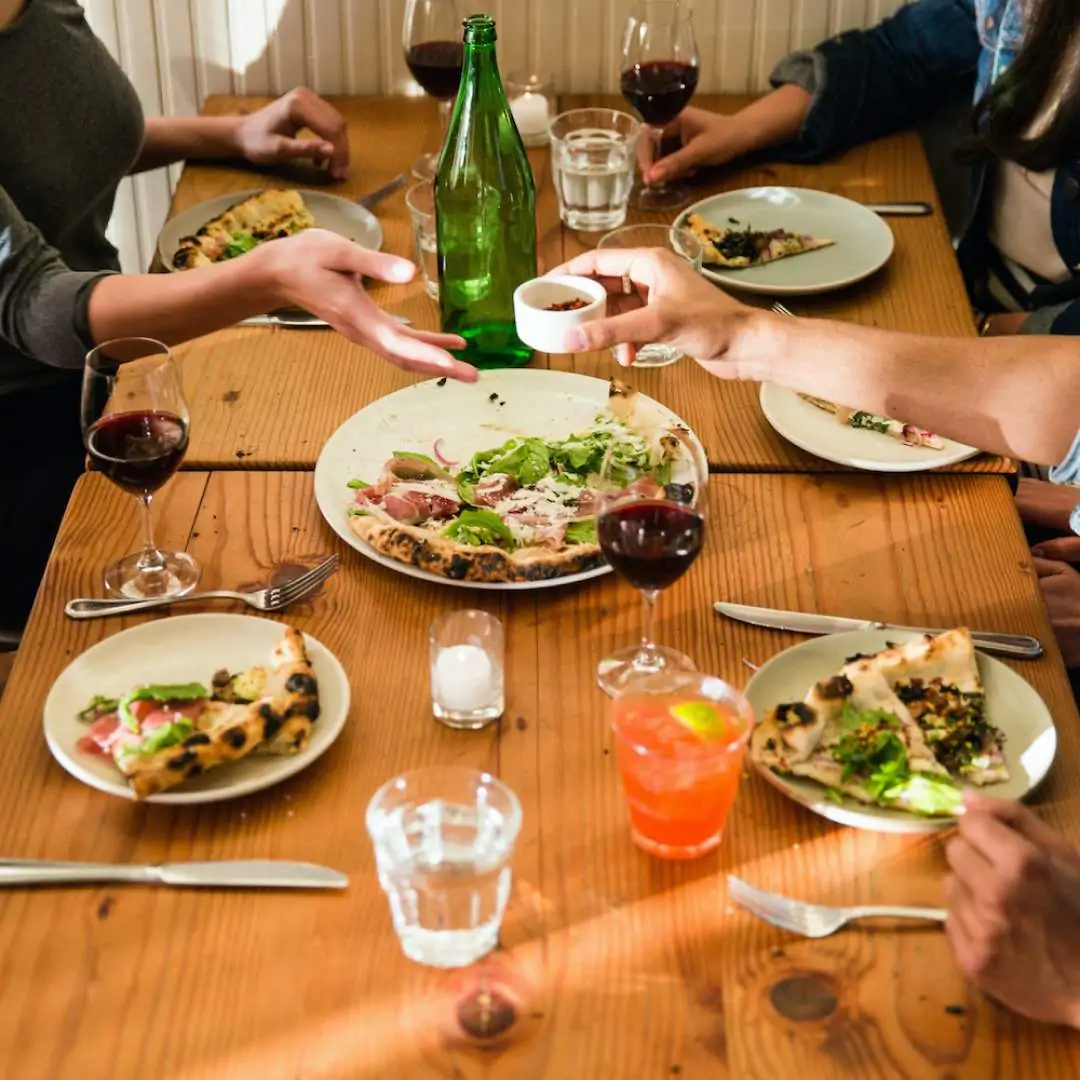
<point x="532" y="101"/>
<point x="467" y="654"/>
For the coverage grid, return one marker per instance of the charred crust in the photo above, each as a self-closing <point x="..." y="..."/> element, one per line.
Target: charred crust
<point x="271" y="722"/>
<point x="236" y="737"/>
<point x="182" y="761"/>
<point x="266" y="712"/>
<point x="836" y="689"/>
<point x="794" y="715"/>
<point x="301" y="683"/>
<point x="200" y="738"/>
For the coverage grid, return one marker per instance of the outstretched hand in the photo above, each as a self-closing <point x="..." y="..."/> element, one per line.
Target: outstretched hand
<point x="269" y="135"/>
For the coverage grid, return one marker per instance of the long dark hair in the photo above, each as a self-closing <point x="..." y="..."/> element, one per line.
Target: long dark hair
<point x="1013" y="104"/>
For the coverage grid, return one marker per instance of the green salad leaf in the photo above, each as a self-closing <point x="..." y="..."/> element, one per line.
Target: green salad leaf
<point x="241" y="243"/>
<point x="166" y="735"/>
<point x="582" y="532"/>
<point x="358" y="485"/>
<point x="478" y="527"/>
<point x="98" y="707"/>
<point x="164" y="692"/>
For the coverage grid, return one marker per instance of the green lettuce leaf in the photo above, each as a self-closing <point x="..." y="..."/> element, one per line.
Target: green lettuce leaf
<point x="241" y="243"/>
<point x="476" y="527"/>
<point x="164" y="692"/>
<point x="582" y="532"/>
<point x="358" y="485"/>
<point x="166" y="735"/>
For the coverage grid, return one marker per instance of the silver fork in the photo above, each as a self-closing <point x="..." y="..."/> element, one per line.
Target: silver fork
<point x="779" y="309"/>
<point x="269" y="599"/>
<point x="815" y="920"/>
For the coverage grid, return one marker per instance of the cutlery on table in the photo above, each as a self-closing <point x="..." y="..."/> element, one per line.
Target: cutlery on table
<point x="379" y="194"/>
<point x="301" y="320"/>
<point x="269" y="599"/>
<point x="227" y="874"/>
<point x="1019" y="645"/>
<point x="815" y="920"/>
<point x="900" y="209"/>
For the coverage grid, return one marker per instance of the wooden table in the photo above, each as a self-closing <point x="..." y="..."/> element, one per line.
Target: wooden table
<point x="613" y="964"/>
<point x="269" y="398"/>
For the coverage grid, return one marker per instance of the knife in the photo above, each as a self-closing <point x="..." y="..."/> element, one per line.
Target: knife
<point x="234" y="874"/>
<point x="379" y="194"/>
<point x="1019" y="645"/>
<point x="299" y="321"/>
<point x="900" y="209"/>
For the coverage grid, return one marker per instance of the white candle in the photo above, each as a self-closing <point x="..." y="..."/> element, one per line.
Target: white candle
<point x="531" y="114"/>
<point x="464" y="679"/>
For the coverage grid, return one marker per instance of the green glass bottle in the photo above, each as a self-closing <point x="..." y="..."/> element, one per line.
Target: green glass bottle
<point x="485" y="210"/>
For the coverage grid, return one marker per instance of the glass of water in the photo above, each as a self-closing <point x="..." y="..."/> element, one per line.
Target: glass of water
<point x="684" y="244"/>
<point x="593" y="155"/>
<point x="421" y="203"/>
<point x="443" y="839"/>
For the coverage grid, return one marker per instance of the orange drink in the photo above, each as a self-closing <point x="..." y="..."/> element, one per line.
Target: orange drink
<point x="679" y="740"/>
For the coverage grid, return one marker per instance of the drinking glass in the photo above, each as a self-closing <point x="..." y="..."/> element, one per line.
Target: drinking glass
<point x="443" y="839"/>
<point x="679" y="742"/>
<point x="592" y="166"/>
<point x="650" y="532"/>
<point x="420" y="200"/>
<point x="135" y="428"/>
<point x="434" y="53"/>
<point x="659" y="77"/>
<point x="684" y="244"/>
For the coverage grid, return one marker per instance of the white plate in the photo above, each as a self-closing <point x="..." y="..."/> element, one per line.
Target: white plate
<point x="538" y="403"/>
<point x="331" y="212"/>
<point x="1012" y="705"/>
<point x="187" y="648"/>
<point x="863" y="245"/>
<point x="819" y="432"/>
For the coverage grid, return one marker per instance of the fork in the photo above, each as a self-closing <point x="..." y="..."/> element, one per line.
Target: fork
<point x="815" y="920"/>
<point x="270" y="599"/>
<point x="779" y="309"/>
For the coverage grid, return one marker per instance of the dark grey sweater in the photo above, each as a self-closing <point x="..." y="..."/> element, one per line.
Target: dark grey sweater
<point x="70" y="129"/>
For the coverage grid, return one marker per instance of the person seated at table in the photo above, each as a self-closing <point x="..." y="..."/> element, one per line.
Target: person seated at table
<point x="1013" y="395"/>
<point x="71" y="128"/>
<point x="1020" y="245"/>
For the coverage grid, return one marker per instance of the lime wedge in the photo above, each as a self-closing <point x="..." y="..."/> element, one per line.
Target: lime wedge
<point x="704" y="720"/>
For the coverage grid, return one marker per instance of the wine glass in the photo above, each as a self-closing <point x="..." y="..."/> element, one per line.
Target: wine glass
<point x="135" y="428"/>
<point x="434" y="53"/>
<point x="650" y="530"/>
<point x="659" y="77"/>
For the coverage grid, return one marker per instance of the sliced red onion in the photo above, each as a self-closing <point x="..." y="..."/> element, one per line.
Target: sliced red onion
<point x="445" y="462"/>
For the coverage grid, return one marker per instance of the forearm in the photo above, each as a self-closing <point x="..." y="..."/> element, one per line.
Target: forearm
<point x="772" y="120"/>
<point x="179" y="138"/>
<point x="176" y="307"/>
<point x="1009" y="395"/>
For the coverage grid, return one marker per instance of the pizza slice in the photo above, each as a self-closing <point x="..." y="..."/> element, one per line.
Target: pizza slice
<point x="267" y="215"/>
<point x="160" y="735"/>
<point x="908" y="434"/>
<point x="738" y="248"/>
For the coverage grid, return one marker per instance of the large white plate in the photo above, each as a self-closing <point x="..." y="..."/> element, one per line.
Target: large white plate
<point x="1012" y="704"/>
<point x="467" y="418"/>
<point x="188" y="648"/>
<point x="818" y="432"/>
<point x="863" y="241"/>
<point x="331" y="212"/>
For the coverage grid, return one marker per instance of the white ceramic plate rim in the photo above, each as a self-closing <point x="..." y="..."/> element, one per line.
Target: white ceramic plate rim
<point x="204" y="211"/>
<point x="271" y="769"/>
<point x="732" y="280"/>
<point x="775" y="398"/>
<point x="333" y="505"/>
<point x="810" y="794"/>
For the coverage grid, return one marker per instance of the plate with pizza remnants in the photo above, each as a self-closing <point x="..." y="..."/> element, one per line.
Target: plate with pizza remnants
<point x="882" y="730"/>
<point x="230" y="225"/>
<point x="491" y="485"/>
<point x="781" y="241"/>
<point x="196" y="708"/>
<point x="856" y="438"/>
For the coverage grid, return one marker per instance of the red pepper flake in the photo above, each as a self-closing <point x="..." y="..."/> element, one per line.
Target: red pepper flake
<point x="568" y="305"/>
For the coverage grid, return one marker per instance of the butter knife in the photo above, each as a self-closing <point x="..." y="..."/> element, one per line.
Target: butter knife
<point x="1018" y="645"/>
<point x="900" y="209"/>
<point x="298" y="320"/>
<point x="226" y="874"/>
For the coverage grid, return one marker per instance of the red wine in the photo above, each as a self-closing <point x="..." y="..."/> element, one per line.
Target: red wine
<point x="651" y="544"/>
<point x="436" y="66"/>
<point x="659" y="89"/>
<point x="138" y="451"/>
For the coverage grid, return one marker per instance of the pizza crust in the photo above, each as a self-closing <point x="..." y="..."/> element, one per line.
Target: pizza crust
<point x="785" y="247"/>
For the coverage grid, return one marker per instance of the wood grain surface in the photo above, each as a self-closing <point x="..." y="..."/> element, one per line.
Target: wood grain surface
<point x="269" y="398"/>
<point x="612" y="964"/>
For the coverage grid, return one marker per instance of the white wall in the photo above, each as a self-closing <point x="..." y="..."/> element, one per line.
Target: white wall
<point x="178" y="51"/>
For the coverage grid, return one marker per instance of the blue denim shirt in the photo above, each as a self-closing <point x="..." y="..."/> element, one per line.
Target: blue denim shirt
<point x="1068" y="472"/>
<point x="868" y="83"/>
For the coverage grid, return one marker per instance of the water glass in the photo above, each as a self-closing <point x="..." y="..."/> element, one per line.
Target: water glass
<point x="592" y="166"/>
<point x="421" y="203"/>
<point x="467" y="661"/>
<point x="684" y="244"/>
<point x="443" y="839"/>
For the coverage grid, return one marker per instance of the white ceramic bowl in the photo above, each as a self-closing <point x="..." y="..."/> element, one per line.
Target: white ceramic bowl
<point x="545" y="330"/>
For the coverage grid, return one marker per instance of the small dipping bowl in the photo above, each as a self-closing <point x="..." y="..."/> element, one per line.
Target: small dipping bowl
<point x="544" y="330"/>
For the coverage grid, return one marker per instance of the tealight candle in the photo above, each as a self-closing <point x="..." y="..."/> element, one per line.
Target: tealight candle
<point x="467" y="669"/>
<point x="464" y="679"/>
<point x="531" y="114"/>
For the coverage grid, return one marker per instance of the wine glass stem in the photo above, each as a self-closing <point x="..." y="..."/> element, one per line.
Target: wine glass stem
<point x="656" y="134"/>
<point x="648" y="645"/>
<point x="150" y="559"/>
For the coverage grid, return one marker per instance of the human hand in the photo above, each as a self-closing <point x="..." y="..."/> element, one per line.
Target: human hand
<point x="1014" y="909"/>
<point x="1046" y="505"/>
<point x="268" y="135"/>
<point x="707" y="138"/>
<point x="1060" y="585"/>
<point x="667" y="304"/>
<point x="321" y="272"/>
